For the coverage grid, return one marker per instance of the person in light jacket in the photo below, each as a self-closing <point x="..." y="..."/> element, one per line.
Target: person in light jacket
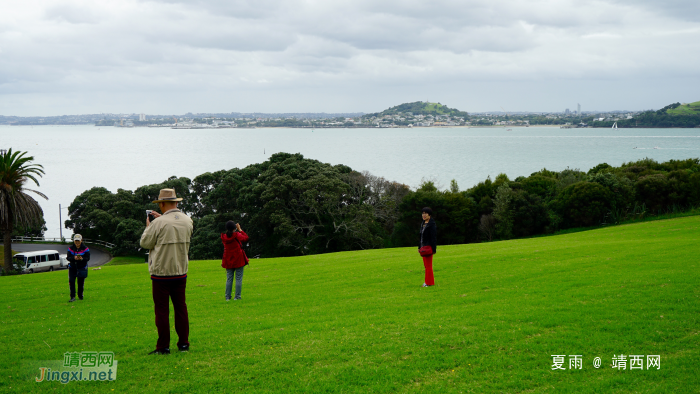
<point x="234" y="259"/>
<point x="168" y="240"/>
<point x="428" y="236"/>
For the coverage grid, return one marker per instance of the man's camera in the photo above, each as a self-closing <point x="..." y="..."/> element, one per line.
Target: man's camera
<point x="150" y="215"/>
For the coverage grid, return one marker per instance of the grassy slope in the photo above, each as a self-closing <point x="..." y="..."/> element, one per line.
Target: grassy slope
<point x="435" y="107"/>
<point x="686" y="109"/>
<point x="418" y="108"/>
<point x="359" y="322"/>
<point x="124" y="260"/>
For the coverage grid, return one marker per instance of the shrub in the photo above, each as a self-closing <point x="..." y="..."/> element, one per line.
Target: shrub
<point x="584" y="204"/>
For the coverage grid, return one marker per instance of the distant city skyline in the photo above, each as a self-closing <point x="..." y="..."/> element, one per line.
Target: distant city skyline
<point x="145" y="117"/>
<point x="177" y="56"/>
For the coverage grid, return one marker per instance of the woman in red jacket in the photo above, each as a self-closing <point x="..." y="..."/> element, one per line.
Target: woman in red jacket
<point x="234" y="257"/>
<point x="428" y="239"/>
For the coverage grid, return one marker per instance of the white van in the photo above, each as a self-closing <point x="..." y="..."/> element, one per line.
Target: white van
<point x="41" y="260"/>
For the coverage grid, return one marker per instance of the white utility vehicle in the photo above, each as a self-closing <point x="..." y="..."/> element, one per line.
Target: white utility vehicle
<point x="41" y="260"/>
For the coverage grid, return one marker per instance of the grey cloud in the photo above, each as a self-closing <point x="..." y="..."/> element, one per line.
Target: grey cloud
<point x="72" y="14"/>
<point x="167" y="48"/>
<point x="233" y="37"/>
<point x="688" y="10"/>
<point x="240" y="9"/>
<point x="382" y="25"/>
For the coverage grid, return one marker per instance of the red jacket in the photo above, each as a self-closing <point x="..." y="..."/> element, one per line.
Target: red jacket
<point x="234" y="256"/>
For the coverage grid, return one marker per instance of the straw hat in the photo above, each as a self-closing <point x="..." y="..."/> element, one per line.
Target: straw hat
<point x="167" y="195"/>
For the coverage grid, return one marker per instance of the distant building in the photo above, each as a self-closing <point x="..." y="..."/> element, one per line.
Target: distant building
<point x="579" y="110"/>
<point x="142" y="117"/>
<point x="567" y="112"/>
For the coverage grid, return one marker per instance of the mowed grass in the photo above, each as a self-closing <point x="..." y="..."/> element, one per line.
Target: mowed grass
<point x="359" y="322"/>
<point x="125" y="260"/>
<point x="686" y="109"/>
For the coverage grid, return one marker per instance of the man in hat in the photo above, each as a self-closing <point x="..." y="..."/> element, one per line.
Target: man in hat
<point x="168" y="241"/>
<point x="78" y="256"/>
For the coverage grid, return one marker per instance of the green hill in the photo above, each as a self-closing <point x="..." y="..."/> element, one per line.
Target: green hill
<point x="673" y="115"/>
<point x="685" y="109"/>
<point x="420" y="108"/>
<point x="359" y="322"/>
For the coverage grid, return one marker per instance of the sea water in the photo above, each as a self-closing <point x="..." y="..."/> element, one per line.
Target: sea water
<point x="77" y="158"/>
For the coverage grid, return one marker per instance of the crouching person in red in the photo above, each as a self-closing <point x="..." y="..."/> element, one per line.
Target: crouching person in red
<point x="234" y="257"/>
<point x="168" y="241"/>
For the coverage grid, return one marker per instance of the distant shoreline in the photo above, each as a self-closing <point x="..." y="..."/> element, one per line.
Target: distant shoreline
<point x="359" y="127"/>
<point x="364" y="127"/>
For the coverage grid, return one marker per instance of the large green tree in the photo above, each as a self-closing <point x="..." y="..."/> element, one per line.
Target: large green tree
<point x="17" y="208"/>
<point x="288" y="205"/>
<point x="291" y="205"/>
<point x="120" y="217"/>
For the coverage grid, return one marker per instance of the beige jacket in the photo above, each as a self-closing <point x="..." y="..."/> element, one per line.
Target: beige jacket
<point x="168" y="239"/>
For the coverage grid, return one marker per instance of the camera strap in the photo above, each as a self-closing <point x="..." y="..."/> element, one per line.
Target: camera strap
<point x="242" y="250"/>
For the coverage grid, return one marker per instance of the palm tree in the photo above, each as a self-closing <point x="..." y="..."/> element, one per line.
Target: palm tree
<point x="16" y="207"/>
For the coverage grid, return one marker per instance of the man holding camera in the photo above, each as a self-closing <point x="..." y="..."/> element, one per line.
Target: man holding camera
<point x="167" y="237"/>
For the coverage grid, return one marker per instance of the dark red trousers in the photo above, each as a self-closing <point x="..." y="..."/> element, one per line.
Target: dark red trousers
<point x="428" y="263"/>
<point x="163" y="290"/>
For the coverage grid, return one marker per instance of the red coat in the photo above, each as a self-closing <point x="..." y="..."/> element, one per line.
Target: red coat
<point x="234" y="256"/>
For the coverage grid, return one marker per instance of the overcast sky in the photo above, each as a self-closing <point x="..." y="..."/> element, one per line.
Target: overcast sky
<point x="170" y="56"/>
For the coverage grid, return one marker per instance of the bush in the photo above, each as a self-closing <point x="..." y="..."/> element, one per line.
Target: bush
<point x="530" y="214"/>
<point x="539" y="185"/>
<point x="584" y="204"/>
<point x="127" y="237"/>
<point x="653" y="191"/>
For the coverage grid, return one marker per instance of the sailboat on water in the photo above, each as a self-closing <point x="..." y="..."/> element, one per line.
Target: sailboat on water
<point x="614" y="125"/>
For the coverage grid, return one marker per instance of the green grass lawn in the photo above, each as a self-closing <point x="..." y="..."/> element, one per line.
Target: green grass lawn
<point x="359" y="322"/>
<point x="124" y="260"/>
<point x="686" y="109"/>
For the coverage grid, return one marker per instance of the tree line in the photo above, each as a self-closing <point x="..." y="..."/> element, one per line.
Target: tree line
<point x="291" y="205"/>
<point x="549" y="201"/>
<point x="659" y="118"/>
<point x="288" y="205"/>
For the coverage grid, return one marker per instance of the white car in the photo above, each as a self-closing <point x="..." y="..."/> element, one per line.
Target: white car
<point x="41" y="260"/>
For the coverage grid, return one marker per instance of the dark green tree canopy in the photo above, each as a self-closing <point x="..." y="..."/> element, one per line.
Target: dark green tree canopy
<point x="288" y="205"/>
<point x="291" y="205"/>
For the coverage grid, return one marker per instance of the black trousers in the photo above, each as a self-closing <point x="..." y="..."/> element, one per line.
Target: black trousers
<point x="72" y="276"/>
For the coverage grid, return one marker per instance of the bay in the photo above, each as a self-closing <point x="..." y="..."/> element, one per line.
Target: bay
<point x="77" y="158"/>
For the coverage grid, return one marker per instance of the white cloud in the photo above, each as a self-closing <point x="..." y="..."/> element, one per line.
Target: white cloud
<point x="178" y="56"/>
